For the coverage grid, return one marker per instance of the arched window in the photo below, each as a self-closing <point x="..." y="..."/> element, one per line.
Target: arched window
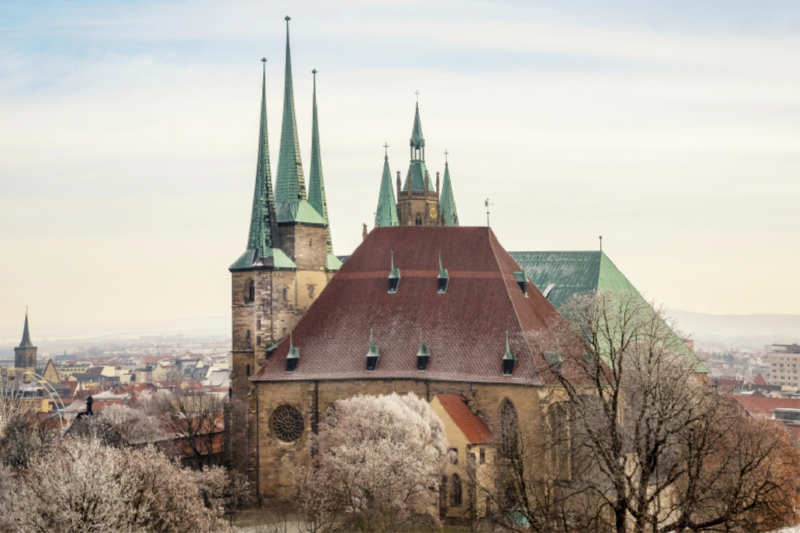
<point x="456" y="491"/>
<point x="509" y="428"/>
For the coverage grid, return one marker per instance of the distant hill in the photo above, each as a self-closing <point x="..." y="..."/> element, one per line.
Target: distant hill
<point x="739" y="331"/>
<point x="41" y="333"/>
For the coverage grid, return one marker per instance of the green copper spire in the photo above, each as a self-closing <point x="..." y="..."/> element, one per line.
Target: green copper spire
<point x="262" y="220"/>
<point x="290" y="185"/>
<point x="447" y="203"/>
<point x="417" y="140"/>
<point x="386" y="215"/>
<point x="316" y="185"/>
<point x="417" y="169"/>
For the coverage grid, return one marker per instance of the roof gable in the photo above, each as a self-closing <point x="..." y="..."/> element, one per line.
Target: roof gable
<point x="473" y="428"/>
<point x="465" y="328"/>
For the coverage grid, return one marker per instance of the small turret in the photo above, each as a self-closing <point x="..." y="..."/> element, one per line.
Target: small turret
<point x="25" y="353"/>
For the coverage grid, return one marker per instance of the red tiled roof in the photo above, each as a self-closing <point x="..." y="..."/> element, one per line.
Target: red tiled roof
<point x="470" y="425"/>
<point x="765" y="406"/>
<point x="465" y="328"/>
<point x="760" y="380"/>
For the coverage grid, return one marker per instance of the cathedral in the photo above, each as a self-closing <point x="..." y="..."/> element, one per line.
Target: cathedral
<point x="423" y="305"/>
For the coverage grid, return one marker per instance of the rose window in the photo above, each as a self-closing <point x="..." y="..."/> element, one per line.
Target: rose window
<point x="286" y="423"/>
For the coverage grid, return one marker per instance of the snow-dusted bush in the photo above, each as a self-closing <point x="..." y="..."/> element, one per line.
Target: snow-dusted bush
<point x="377" y="462"/>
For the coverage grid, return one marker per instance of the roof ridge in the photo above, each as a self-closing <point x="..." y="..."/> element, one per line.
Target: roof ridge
<point x="490" y="234"/>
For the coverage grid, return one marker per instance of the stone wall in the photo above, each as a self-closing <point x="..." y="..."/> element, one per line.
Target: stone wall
<point x="277" y="460"/>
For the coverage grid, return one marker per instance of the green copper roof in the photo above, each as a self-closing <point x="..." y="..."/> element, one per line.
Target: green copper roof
<point x="298" y="212"/>
<point x="26" y="334"/>
<point x="316" y="185"/>
<point x="562" y="275"/>
<point x="386" y="214"/>
<point x="290" y="185"/>
<point x="262" y="220"/>
<point x="417" y="140"/>
<point x="332" y="263"/>
<point x="447" y="203"/>
<point x="274" y="258"/>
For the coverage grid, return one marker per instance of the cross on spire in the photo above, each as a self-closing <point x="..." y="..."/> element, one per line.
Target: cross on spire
<point x="386" y="149"/>
<point x="445" y="156"/>
<point x="417" y="93"/>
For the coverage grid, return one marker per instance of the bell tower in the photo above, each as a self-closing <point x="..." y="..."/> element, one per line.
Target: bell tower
<point x="418" y="200"/>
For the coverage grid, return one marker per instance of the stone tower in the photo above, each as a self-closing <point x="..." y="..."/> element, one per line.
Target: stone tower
<point x="289" y="257"/>
<point x="25" y="353"/>
<point x="419" y="202"/>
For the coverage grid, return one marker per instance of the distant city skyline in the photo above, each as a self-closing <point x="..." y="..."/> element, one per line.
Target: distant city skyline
<point x="129" y="140"/>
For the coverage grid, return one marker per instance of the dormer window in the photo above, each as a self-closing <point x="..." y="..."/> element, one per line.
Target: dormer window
<point x="292" y="357"/>
<point x="508" y="359"/>
<point x="372" y="354"/>
<point x="394" y="277"/>
<point x="423" y="355"/>
<point x="443" y="277"/>
<point x="522" y="281"/>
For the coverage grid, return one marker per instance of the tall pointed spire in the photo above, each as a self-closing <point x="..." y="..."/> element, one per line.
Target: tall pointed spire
<point x="415" y="181"/>
<point x="290" y="185"/>
<point x="262" y="221"/>
<point x="386" y="214"/>
<point x="26" y="334"/>
<point x="316" y="185"/>
<point x="447" y="203"/>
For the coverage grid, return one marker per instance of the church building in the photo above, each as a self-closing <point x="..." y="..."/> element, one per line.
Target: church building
<point x="423" y="305"/>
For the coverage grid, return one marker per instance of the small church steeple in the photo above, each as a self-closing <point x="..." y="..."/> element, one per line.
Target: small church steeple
<point x="25" y="353"/>
<point x="262" y="221"/>
<point x="290" y="185"/>
<point x="316" y="185"/>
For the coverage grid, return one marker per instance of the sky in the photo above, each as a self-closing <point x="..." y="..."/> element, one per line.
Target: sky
<point x="128" y="140"/>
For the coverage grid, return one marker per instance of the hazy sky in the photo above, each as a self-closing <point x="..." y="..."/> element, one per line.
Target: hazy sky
<point x="128" y="140"/>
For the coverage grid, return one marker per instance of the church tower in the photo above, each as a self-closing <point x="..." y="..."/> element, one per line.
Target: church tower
<point x="419" y="203"/>
<point x="289" y="256"/>
<point x="25" y="353"/>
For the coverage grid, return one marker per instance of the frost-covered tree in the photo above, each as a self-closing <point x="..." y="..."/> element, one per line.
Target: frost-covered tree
<point x="377" y="462"/>
<point x="83" y="486"/>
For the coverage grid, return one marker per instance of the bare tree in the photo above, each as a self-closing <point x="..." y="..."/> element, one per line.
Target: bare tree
<point x="195" y="419"/>
<point x="235" y="445"/>
<point x="24" y="437"/>
<point x="655" y="448"/>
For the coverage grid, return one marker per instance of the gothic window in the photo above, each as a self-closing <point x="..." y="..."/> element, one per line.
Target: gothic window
<point x="248" y="334"/>
<point x="258" y="340"/>
<point x="248" y="371"/>
<point x="456" y="491"/>
<point x="418" y="221"/>
<point x="483" y="456"/>
<point x="508" y="428"/>
<point x="285" y="294"/>
<point x="251" y="292"/>
<point x="311" y="291"/>
<point x="286" y="423"/>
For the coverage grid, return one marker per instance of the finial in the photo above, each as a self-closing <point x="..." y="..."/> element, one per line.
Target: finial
<point x="445" y="156"/>
<point x="392" y="252"/>
<point x="487" y="211"/>
<point x="288" y="18"/>
<point x="417" y="93"/>
<point x="314" y="72"/>
<point x="370" y="337"/>
<point x="440" y="259"/>
<point x="263" y="59"/>
<point x="386" y="150"/>
<point x="291" y="342"/>
<point x="601" y="243"/>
